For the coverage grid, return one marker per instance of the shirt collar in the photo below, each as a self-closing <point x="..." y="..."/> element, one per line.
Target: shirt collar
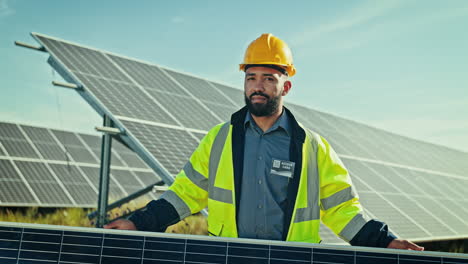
<point x="282" y="122"/>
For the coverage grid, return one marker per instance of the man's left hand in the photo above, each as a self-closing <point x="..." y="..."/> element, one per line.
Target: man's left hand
<point x="404" y="244"/>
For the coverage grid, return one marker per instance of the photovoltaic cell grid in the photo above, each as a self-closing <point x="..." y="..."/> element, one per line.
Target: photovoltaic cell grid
<point x="167" y="112"/>
<point x="48" y="244"/>
<point x="52" y="168"/>
<point x="421" y="198"/>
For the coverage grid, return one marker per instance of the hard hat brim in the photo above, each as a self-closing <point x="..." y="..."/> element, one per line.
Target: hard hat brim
<point x="290" y="69"/>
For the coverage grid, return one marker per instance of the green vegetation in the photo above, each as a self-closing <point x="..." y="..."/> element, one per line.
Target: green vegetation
<point x="195" y="224"/>
<point x="66" y="216"/>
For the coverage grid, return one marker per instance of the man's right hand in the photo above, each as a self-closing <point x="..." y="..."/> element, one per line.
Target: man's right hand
<point x="122" y="224"/>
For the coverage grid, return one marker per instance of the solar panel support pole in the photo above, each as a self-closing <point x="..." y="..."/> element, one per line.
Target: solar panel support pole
<point x="29" y="46"/>
<point x="104" y="178"/>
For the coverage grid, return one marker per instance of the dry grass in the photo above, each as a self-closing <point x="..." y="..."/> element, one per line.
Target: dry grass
<point x="67" y="216"/>
<point x="195" y="224"/>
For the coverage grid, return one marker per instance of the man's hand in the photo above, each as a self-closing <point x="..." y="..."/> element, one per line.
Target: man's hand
<point x="121" y="224"/>
<point x="404" y="244"/>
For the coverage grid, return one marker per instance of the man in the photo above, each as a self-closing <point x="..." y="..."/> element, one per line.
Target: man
<point x="262" y="175"/>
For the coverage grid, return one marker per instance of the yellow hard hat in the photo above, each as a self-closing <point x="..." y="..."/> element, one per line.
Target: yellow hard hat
<point x="269" y="50"/>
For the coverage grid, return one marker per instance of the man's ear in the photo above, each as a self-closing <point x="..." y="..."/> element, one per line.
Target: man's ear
<point x="286" y="87"/>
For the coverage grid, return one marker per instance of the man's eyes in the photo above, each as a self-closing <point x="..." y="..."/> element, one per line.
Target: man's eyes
<point x="270" y="79"/>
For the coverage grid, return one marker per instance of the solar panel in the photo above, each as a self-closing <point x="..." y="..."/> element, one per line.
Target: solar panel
<point x="201" y="89"/>
<point x="148" y="76"/>
<point x="164" y="114"/>
<point x="76" y="183"/>
<point x="13" y="187"/>
<point x="446" y="211"/>
<point x="19" y="148"/>
<point x="202" y="119"/>
<point x="170" y="146"/>
<point x="28" y="243"/>
<point x="127" y="179"/>
<point x="393" y="216"/>
<point x="44" y="183"/>
<point x="117" y="95"/>
<point x="146" y="177"/>
<point x="235" y="95"/>
<point x="53" y="168"/>
<point x="372" y="177"/>
<point x="129" y="159"/>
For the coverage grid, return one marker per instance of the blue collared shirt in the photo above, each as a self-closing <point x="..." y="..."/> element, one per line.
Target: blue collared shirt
<point x="263" y="194"/>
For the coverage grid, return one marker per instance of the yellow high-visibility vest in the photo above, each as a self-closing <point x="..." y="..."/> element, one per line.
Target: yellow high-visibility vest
<point x="324" y="192"/>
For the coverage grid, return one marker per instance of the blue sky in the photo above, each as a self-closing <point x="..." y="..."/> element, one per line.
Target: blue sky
<point x="397" y="65"/>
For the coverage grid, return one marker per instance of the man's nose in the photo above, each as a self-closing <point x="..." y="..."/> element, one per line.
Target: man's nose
<point x="259" y="86"/>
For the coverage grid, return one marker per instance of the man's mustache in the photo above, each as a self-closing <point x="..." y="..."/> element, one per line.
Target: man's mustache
<point x="259" y="93"/>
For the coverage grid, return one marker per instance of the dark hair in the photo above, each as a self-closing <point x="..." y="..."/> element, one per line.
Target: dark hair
<point x="273" y="66"/>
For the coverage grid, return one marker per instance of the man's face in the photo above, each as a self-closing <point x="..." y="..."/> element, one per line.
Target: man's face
<point x="264" y="88"/>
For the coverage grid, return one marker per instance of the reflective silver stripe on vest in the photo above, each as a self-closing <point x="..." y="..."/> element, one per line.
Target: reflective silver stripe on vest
<point x="216" y="193"/>
<point x="338" y="198"/>
<point x="312" y="211"/>
<point x="196" y="177"/>
<point x="181" y="207"/>
<point x="353" y="227"/>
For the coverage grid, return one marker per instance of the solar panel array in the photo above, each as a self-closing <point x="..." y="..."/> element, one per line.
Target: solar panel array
<point x="416" y="187"/>
<point x="51" y="244"/>
<point x="53" y="168"/>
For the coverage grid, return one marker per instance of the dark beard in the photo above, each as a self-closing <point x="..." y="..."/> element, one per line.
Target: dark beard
<point x="267" y="109"/>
